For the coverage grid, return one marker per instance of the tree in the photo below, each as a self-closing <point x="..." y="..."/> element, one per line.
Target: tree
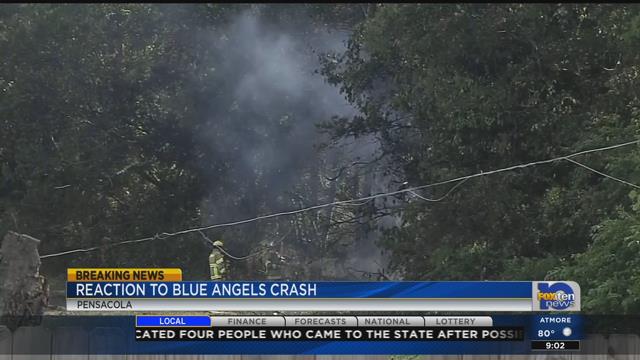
<point x="100" y="115"/>
<point x="453" y="90"/>
<point x="124" y="121"/>
<point x="608" y="270"/>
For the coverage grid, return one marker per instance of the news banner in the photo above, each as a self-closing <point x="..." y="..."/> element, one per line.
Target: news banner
<point x="161" y="313"/>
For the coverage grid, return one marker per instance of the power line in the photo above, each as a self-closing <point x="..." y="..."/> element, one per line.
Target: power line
<point x="441" y="197"/>
<point x="358" y="201"/>
<point x="603" y="174"/>
<point x="233" y="256"/>
<point x="98" y="247"/>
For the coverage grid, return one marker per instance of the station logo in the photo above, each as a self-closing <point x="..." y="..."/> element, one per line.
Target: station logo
<point x="556" y="296"/>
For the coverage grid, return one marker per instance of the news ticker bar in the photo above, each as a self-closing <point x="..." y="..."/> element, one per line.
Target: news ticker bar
<point x="315" y="320"/>
<point x="339" y="334"/>
<point x="513" y="333"/>
<point x="541" y="327"/>
<point x="141" y="290"/>
<point x="556" y="332"/>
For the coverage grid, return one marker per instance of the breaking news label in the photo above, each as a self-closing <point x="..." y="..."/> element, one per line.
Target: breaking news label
<point x="430" y="317"/>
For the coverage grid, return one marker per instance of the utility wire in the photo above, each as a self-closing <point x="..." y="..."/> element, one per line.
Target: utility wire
<point x="233" y="256"/>
<point x="603" y="174"/>
<point x="441" y="197"/>
<point x="566" y="158"/>
<point x="98" y="247"/>
<point x="361" y="200"/>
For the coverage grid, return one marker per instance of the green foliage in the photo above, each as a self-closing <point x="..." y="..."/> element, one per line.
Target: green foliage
<point x="458" y="89"/>
<point x="608" y="271"/>
<point x="120" y="121"/>
<point x="98" y="126"/>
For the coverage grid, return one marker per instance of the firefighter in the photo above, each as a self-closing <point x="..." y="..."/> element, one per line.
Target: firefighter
<point x="217" y="264"/>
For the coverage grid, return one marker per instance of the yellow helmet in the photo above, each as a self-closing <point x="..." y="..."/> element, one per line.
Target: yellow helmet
<point x="218" y="243"/>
